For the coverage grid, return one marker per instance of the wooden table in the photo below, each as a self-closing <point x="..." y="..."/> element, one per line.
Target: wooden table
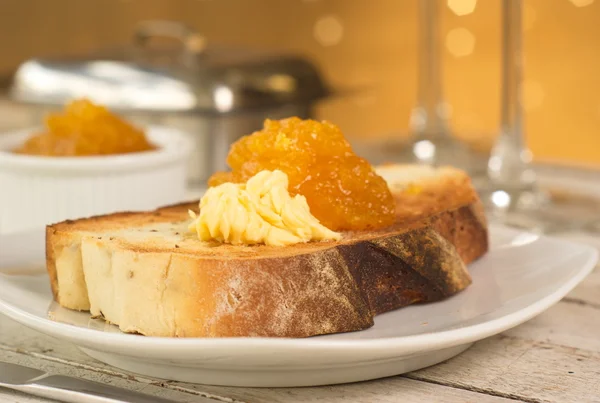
<point x="554" y="357"/>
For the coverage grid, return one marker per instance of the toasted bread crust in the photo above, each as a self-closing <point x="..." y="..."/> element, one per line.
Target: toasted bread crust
<point x="173" y="287"/>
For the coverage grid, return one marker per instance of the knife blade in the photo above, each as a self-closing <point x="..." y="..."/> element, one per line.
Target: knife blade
<point x="68" y="389"/>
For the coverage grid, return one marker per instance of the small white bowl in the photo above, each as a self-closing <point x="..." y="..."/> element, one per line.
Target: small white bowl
<point x="36" y="191"/>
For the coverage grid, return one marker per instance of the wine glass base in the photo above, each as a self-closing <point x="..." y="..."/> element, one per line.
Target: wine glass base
<point x="534" y="210"/>
<point x="441" y="151"/>
<point x="504" y="200"/>
<point x="537" y="221"/>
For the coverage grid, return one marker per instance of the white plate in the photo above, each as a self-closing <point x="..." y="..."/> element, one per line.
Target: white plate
<point x="521" y="276"/>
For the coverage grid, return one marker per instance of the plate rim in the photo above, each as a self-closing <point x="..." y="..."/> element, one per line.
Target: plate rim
<point x="137" y="346"/>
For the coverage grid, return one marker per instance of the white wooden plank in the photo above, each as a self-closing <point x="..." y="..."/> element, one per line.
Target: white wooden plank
<point x="527" y="370"/>
<point x="564" y="324"/>
<point x="554" y="357"/>
<point x="389" y="390"/>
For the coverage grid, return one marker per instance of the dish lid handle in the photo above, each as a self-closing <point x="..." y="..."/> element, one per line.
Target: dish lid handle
<point x="192" y="42"/>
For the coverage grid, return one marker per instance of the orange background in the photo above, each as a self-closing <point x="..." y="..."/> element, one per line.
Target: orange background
<point x="370" y="44"/>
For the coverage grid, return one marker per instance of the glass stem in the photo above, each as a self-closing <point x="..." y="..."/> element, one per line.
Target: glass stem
<point x="508" y="166"/>
<point x="428" y="118"/>
<point x="512" y="72"/>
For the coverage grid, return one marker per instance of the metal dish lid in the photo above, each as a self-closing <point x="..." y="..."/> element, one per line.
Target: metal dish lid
<point x="190" y="77"/>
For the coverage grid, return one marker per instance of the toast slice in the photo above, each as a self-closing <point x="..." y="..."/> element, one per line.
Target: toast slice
<point x="146" y="273"/>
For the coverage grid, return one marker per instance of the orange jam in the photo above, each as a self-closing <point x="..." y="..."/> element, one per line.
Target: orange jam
<point x="342" y="189"/>
<point x="84" y="128"/>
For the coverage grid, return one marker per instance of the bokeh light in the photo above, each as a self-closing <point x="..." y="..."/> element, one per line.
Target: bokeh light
<point x="581" y="3"/>
<point x="462" y="7"/>
<point x="460" y="42"/>
<point x="328" y="30"/>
